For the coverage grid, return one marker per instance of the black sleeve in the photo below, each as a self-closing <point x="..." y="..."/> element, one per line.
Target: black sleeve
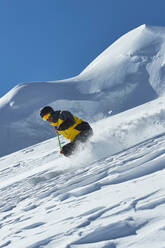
<point x="68" y="119"/>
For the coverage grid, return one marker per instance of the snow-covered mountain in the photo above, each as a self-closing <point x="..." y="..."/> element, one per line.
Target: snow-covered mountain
<point x="127" y="74"/>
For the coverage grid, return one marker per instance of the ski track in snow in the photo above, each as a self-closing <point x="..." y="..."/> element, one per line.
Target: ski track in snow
<point x="51" y="201"/>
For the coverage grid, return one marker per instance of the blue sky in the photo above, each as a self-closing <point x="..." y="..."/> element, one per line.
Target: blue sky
<point x="45" y="40"/>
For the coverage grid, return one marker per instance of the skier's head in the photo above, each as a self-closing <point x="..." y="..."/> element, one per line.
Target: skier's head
<point x="46" y="112"/>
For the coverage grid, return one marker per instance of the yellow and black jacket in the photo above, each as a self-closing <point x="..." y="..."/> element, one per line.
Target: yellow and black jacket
<point x="68" y="124"/>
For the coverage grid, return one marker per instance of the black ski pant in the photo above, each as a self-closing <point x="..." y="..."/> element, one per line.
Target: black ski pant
<point x="82" y="137"/>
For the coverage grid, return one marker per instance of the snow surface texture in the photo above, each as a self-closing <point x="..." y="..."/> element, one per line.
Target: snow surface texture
<point x="129" y="73"/>
<point x="104" y="197"/>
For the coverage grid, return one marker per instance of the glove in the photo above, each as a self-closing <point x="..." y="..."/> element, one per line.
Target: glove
<point x="55" y="128"/>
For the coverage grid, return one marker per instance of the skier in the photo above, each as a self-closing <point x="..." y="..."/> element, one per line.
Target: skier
<point x="69" y="125"/>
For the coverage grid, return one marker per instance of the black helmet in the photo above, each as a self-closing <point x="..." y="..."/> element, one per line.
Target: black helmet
<point x="46" y="110"/>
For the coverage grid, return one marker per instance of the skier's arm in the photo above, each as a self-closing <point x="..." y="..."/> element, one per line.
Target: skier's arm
<point x="68" y="119"/>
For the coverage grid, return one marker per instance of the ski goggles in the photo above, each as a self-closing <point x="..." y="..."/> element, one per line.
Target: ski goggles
<point x="46" y="117"/>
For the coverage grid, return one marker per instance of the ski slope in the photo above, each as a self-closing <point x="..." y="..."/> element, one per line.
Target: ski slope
<point x="92" y="200"/>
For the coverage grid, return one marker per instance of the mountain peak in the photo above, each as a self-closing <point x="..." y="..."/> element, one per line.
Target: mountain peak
<point x="129" y="73"/>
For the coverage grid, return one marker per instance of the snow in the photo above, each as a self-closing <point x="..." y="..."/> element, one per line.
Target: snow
<point x="93" y="199"/>
<point x="110" y="194"/>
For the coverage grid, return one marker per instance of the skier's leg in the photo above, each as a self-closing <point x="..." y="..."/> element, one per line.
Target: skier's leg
<point x="84" y="135"/>
<point x="68" y="149"/>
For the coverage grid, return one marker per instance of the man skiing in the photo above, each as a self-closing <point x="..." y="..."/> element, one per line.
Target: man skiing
<point x="68" y="125"/>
